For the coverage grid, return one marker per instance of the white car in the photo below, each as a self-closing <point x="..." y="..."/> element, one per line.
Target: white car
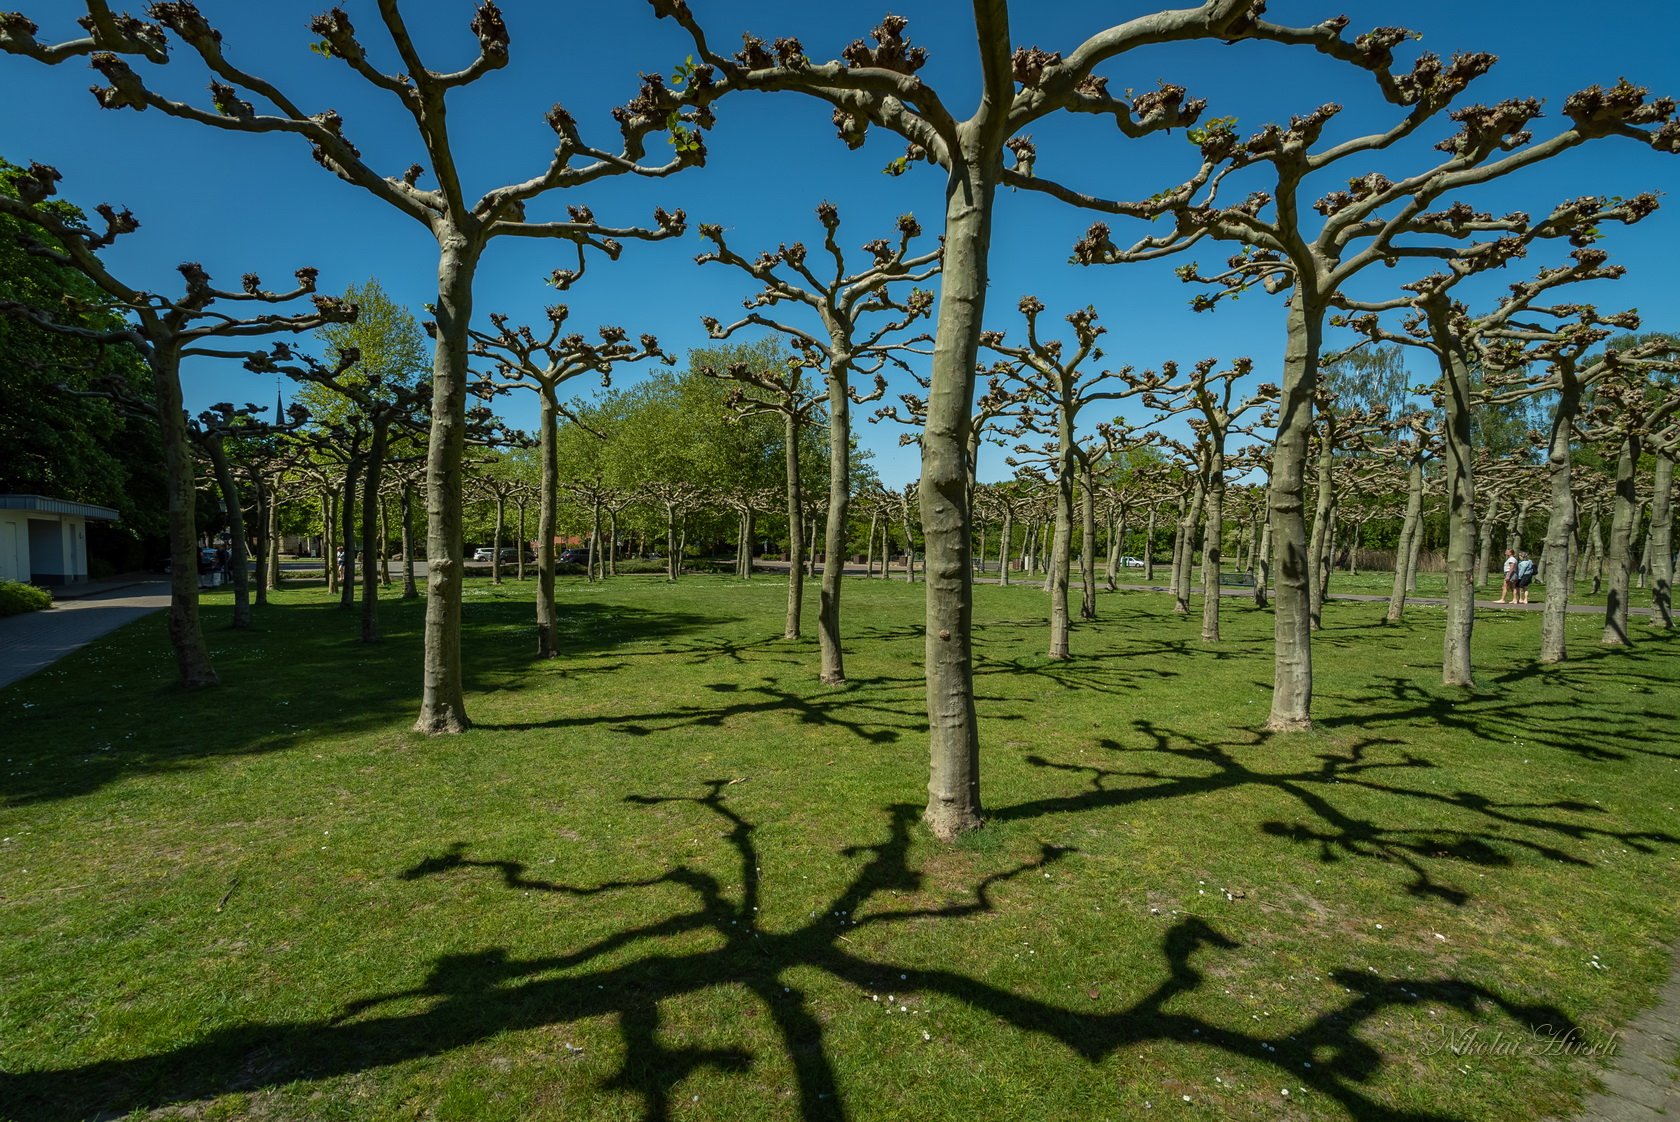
<point x="1130" y="563"/>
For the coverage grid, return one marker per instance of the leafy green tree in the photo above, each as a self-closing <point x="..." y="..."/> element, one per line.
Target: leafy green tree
<point x="58" y="444"/>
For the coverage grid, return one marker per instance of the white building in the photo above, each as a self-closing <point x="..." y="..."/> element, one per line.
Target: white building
<point x="44" y="541"/>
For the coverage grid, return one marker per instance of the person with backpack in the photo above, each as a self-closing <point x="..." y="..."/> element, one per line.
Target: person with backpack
<point x="1524" y="577"/>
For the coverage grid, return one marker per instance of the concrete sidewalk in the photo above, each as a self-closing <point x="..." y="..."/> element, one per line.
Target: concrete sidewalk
<point x="34" y="640"/>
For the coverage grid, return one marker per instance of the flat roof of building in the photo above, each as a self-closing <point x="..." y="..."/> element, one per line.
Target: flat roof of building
<point x="43" y="505"/>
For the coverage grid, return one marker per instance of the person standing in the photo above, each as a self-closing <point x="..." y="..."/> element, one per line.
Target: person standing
<point x="1523" y="577"/>
<point x="1509" y="588"/>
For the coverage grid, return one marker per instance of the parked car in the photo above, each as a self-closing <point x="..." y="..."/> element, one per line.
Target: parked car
<point x="1130" y="563"/>
<point x="486" y="553"/>
<point x="574" y="556"/>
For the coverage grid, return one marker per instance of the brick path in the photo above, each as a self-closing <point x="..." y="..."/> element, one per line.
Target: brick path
<point x="34" y="640"/>
<point x="1642" y="1083"/>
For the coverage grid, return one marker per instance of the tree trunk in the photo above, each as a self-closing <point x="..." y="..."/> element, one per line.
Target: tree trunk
<point x="1560" y="523"/>
<point x="238" y="570"/>
<point x="347" y="530"/>
<point x="1411" y="527"/>
<point x="752" y="543"/>
<point x="612" y="541"/>
<point x="1087" y="543"/>
<point x="595" y="568"/>
<point x="1211" y="544"/>
<point x="1262" y="564"/>
<point x="1116" y="538"/>
<point x="1662" y="543"/>
<point x="384" y="540"/>
<point x="909" y="547"/>
<point x="869" y="555"/>
<point x="192" y="655"/>
<point x="671" y="566"/>
<point x="1461" y="521"/>
<point x="1149" y="546"/>
<point x="1061" y="546"/>
<point x="519" y="544"/>
<point x="953" y="732"/>
<point x="1484" y="538"/>
<point x="271" y="559"/>
<point x="1185" y="554"/>
<point x="498" y="533"/>
<point x="796" y="530"/>
<point x="1006" y="536"/>
<point x="410" y="590"/>
<point x="443" y="706"/>
<point x="329" y="535"/>
<point x="373" y="552"/>
<point x="833" y="670"/>
<point x="1618" y="558"/>
<point x="1292" y="623"/>
<point x="259" y="484"/>
<point x="1318" y="563"/>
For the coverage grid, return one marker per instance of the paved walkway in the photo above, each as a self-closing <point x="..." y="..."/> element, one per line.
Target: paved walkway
<point x="34" y="640"/>
<point x="1642" y="1083"/>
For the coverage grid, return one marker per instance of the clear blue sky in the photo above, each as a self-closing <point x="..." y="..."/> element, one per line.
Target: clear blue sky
<point x="259" y="203"/>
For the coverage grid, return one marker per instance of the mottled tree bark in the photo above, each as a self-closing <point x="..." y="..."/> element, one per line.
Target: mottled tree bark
<point x="796" y="529"/>
<point x="839" y="511"/>
<point x="1411" y="528"/>
<point x="265" y="530"/>
<point x="953" y="732"/>
<point x="443" y="706"/>
<point x="1661" y="540"/>
<point x="1456" y="669"/>
<point x="1149" y="545"/>
<point x="1212" y="551"/>
<point x="1292" y="624"/>
<point x="1618" y="556"/>
<point x="373" y="549"/>
<point x="1006" y="537"/>
<point x="1061" y="545"/>
<point x="410" y="590"/>
<point x="1484" y="536"/>
<point x="1318" y="563"/>
<point x="1184" y="552"/>
<point x="238" y="569"/>
<point x="192" y="655"/>
<point x="546" y="518"/>
<point x="347" y="530"/>
<point x="1560" y="524"/>
<point x="1263" y="565"/>
<point x="1087" y="543"/>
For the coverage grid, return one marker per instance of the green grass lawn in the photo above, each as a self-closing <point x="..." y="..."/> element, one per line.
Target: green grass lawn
<point x="1430" y="585"/>
<point x="668" y="875"/>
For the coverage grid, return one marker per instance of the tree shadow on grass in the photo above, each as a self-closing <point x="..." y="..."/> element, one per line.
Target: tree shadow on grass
<point x="1558" y="719"/>
<point x="881" y="712"/>
<point x="107" y="713"/>
<point x="1319" y="789"/>
<point x="469" y="998"/>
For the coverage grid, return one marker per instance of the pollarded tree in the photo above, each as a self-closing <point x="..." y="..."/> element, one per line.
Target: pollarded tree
<point x="461" y="226"/>
<point x="1457" y="340"/>
<point x="164" y="330"/>
<point x="1056" y="390"/>
<point x="1376" y="220"/>
<point x="862" y="330"/>
<point x="544" y="363"/>
<point x="368" y="414"/>
<point x="1545" y="354"/>
<point x="1216" y="409"/>
<point x="1411" y="441"/>
<point x="879" y="85"/>
<point x="774" y="385"/>
<point x="1637" y="401"/>
<point x="230" y="437"/>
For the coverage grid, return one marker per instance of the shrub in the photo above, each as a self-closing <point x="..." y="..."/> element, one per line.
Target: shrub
<point x="16" y="598"/>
